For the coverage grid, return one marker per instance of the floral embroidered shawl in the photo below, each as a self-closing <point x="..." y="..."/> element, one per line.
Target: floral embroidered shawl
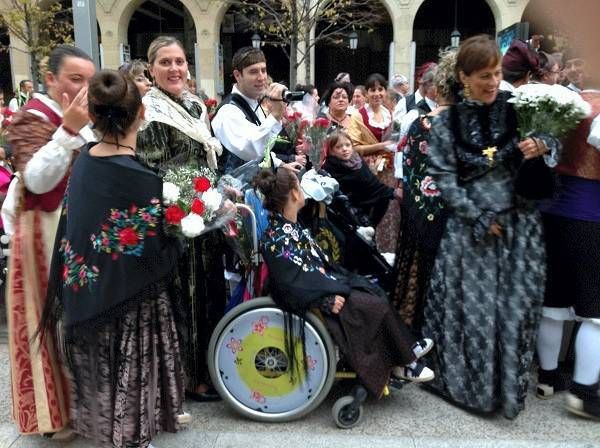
<point x="110" y="244"/>
<point x="163" y="109"/>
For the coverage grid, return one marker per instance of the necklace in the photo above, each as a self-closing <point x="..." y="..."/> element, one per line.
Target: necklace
<point x="336" y="119"/>
<point x="118" y="145"/>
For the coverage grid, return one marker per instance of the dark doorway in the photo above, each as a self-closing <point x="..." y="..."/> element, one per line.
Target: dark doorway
<point x="155" y="18"/>
<point x="371" y="55"/>
<point x="434" y="23"/>
<point x="236" y="32"/>
<point x="5" y="69"/>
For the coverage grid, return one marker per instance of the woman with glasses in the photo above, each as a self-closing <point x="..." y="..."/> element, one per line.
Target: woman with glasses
<point x="337" y="100"/>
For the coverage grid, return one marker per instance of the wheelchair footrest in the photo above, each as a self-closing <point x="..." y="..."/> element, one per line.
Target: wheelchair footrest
<point x="395" y="383"/>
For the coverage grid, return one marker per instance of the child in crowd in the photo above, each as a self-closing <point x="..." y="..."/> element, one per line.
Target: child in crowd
<point x="366" y="193"/>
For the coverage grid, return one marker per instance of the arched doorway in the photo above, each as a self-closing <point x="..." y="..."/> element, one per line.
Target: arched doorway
<point x="5" y="72"/>
<point x="434" y="24"/>
<point x="333" y="56"/>
<point x="237" y="29"/>
<point x="155" y="18"/>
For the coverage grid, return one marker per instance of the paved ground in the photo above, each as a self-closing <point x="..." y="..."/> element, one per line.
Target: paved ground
<point x="409" y="418"/>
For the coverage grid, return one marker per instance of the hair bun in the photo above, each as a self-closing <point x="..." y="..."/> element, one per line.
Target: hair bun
<point x="110" y="88"/>
<point x="114" y="102"/>
<point x="265" y="181"/>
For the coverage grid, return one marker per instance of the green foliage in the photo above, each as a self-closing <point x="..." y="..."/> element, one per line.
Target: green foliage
<point x="38" y="26"/>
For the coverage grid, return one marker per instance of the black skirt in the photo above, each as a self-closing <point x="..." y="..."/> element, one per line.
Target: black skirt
<point x="573" y="257"/>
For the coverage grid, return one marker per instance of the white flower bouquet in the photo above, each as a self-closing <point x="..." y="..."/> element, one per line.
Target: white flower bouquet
<point x="545" y="109"/>
<point x="193" y="205"/>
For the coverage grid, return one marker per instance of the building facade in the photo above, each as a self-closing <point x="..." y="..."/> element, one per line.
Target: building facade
<point x="205" y="19"/>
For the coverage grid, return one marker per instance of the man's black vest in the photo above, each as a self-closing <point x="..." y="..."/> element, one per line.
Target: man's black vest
<point x="230" y="161"/>
<point x="285" y="151"/>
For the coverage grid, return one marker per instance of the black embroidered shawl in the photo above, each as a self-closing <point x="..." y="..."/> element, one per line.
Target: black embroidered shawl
<point x="110" y="244"/>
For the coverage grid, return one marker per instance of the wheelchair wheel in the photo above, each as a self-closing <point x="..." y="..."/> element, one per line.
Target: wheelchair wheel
<point x="250" y="369"/>
<point x="346" y="413"/>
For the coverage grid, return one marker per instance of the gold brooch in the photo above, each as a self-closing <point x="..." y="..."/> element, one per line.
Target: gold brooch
<point x="489" y="153"/>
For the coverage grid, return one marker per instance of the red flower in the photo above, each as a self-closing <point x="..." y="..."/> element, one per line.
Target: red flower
<point x="322" y="122"/>
<point x="65" y="272"/>
<point x="210" y="102"/>
<point x="174" y="214"/>
<point x="201" y="184"/>
<point x="128" y="237"/>
<point x="198" y="206"/>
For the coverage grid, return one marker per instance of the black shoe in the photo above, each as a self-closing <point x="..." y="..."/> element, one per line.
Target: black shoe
<point x="551" y="382"/>
<point x="584" y="400"/>
<point x="208" y="395"/>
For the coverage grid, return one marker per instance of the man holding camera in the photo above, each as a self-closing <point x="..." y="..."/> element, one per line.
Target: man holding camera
<point x="240" y="123"/>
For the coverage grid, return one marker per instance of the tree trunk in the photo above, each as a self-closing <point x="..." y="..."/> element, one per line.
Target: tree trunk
<point x="307" y="79"/>
<point x="293" y="59"/>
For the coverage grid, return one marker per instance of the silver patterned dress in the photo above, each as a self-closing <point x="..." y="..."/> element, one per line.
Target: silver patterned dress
<point x="486" y="292"/>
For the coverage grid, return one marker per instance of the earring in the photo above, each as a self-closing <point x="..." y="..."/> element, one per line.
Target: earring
<point x="467" y="91"/>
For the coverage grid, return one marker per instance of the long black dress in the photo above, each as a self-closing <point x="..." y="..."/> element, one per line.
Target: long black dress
<point x="367" y="329"/>
<point x="112" y="270"/>
<point x="423" y="221"/>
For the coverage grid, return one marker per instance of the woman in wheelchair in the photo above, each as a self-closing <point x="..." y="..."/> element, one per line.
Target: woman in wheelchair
<point x="357" y="314"/>
<point x="364" y="190"/>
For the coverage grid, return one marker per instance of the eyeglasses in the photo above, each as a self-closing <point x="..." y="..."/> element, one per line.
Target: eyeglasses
<point x="339" y="96"/>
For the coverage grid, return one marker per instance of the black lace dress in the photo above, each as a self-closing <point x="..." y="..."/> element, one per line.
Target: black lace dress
<point x="486" y="292"/>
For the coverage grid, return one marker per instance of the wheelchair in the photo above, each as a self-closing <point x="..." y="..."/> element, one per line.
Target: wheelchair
<point x="250" y="368"/>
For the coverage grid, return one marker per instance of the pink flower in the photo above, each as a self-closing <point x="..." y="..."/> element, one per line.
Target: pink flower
<point x="423" y="147"/>
<point x="429" y="188"/>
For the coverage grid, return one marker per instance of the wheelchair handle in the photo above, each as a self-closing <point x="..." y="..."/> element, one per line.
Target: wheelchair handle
<point x="254" y="257"/>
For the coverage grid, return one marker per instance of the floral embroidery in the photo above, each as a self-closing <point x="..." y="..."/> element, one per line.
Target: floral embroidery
<point x="126" y="230"/>
<point x="421" y="191"/>
<point x="301" y="249"/>
<point x="428" y="187"/>
<point x="76" y="274"/>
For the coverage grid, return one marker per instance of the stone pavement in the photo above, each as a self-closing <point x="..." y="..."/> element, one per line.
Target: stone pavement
<point x="409" y="418"/>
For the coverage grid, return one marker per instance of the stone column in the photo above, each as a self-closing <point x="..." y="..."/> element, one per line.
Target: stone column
<point x="207" y="39"/>
<point x="110" y="39"/>
<point x="507" y="12"/>
<point x="20" y="62"/>
<point x="402" y="20"/>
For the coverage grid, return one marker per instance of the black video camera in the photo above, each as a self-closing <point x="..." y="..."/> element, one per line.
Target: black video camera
<point x="290" y="97"/>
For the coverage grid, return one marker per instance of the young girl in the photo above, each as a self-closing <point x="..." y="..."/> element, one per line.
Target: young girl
<point x="356" y="180"/>
<point x="356" y="313"/>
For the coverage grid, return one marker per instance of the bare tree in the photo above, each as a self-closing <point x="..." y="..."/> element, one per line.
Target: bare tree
<point x="289" y="23"/>
<point x="39" y="26"/>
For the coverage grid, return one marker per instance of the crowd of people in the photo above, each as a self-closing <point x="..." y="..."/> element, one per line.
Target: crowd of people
<point x="110" y="317"/>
